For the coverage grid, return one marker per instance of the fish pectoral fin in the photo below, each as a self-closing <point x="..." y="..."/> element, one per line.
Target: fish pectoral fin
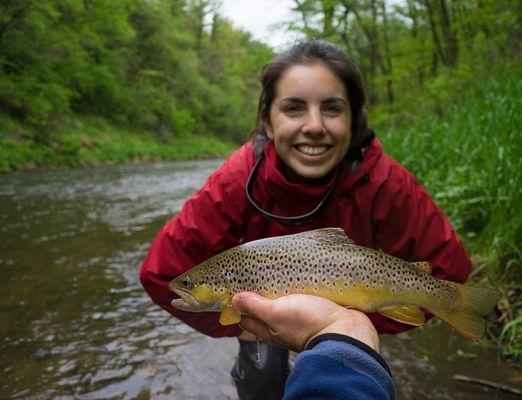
<point x="229" y="316"/>
<point x="411" y="315"/>
<point x="422" y="265"/>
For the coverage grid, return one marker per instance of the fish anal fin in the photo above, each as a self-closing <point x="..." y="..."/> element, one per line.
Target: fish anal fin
<point x="422" y="265"/>
<point x="229" y="316"/>
<point x="407" y="314"/>
<point x="329" y="235"/>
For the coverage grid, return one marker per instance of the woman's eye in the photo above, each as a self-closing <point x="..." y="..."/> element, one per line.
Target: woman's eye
<point x="332" y="110"/>
<point x="292" y="110"/>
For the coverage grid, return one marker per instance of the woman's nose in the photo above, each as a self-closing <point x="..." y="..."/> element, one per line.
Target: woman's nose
<point x="314" y="122"/>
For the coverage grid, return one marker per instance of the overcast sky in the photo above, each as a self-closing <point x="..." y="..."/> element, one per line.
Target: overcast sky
<point x="258" y="16"/>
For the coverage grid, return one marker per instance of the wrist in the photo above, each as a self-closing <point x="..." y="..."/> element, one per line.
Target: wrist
<point x="354" y="324"/>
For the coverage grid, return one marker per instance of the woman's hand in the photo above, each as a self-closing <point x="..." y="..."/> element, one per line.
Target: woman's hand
<point x="293" y="321"/>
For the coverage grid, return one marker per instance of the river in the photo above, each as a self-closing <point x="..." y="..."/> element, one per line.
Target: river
<point x="75" y="322"/>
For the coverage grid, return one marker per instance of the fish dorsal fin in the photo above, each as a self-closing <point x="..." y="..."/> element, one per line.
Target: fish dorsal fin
<point x="422" y="265"/>
<point x="327" y="235"/>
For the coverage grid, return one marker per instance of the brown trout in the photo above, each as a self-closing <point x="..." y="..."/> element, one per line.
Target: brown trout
<point x="326" y="263"/>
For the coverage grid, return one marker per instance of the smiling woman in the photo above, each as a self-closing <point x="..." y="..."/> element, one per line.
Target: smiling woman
<point x="310" y="120"/>
<point x="312" y="163"/>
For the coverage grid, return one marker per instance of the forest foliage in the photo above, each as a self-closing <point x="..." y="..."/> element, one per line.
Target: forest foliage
<point x="176" y="68"/>
<point x="172" y="67"/>
<point x="405" y="47"/>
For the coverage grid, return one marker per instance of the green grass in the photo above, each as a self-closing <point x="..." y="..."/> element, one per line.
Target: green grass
<point x="82" y="141"/>
<point x="466" y="150"/>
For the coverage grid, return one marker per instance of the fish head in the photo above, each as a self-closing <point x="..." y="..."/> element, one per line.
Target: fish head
<point x="196" y="294"/>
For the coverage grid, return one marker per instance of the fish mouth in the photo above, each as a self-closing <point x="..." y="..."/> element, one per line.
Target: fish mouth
<point x="187" y="300"/>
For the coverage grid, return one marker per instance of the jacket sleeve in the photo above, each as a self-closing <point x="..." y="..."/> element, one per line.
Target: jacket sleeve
<point x="340" y="370"/>
<point x="409" y="225"/>
<point x="209" y="222"/>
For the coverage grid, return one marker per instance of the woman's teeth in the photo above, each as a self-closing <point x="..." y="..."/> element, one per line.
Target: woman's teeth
<point x="311" y="150"/>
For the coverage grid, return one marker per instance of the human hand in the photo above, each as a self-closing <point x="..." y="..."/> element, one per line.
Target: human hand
<point x="293" y="321"/>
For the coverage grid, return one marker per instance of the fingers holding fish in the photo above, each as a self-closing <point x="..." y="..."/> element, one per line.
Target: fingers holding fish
<point x="253" y="314"/>
<point x="292" y="321"/>
<point x="258" y="328"/>
<point x="265" y="318"/>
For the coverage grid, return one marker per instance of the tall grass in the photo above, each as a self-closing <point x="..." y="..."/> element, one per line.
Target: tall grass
<point x="468" y="155"/>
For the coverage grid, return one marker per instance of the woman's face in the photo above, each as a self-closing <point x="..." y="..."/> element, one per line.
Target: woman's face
<point x="310" y="120"/>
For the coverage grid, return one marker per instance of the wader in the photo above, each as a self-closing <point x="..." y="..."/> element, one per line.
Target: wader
<point x="263" y="380"/>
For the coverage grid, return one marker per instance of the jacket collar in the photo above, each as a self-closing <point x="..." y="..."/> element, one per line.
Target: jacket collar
<point x="282" y="188"/>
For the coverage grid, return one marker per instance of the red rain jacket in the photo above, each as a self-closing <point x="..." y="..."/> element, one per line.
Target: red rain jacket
<point x="381" y="205"/>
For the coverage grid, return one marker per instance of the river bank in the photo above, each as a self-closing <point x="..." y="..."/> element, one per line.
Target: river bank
<point x="80" y="141"/>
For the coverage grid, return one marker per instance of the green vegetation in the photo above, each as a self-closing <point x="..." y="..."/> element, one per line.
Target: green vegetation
<point x="84" y="141"/>
<point x="172" y="69"/>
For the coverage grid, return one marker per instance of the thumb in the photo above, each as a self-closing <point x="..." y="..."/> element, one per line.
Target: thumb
<point x="252" y="304"/>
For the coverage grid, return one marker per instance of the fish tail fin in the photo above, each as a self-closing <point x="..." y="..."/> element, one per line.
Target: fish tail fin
<point x="468" y="317"/>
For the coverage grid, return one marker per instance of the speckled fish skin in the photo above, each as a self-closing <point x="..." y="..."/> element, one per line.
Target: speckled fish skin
<point x="325" y="262"/>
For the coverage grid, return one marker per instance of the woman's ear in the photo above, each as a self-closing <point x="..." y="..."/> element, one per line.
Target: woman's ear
<point x="268" y="129"/>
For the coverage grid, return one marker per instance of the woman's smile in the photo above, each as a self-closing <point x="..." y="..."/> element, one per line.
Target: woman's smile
<point x="312" y="150"/>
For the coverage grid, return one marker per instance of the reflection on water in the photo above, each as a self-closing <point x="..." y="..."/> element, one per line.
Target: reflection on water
<point x="76" y="324"/>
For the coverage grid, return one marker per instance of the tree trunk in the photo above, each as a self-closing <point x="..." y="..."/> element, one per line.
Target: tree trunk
<point x="435" y="35"/>
<point x="450" y="36"/>
<point x="412" y="11"/>
<point x="329" y="12"/>
<point x="389" y="68"/>
<point x="15" y="16"/>
<point x="301" y="7"/>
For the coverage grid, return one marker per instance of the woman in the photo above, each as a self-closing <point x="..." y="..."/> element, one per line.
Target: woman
<point x="312" y="163"/>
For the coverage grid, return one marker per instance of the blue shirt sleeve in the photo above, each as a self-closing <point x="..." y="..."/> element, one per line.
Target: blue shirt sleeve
<point x="340" y="368"/>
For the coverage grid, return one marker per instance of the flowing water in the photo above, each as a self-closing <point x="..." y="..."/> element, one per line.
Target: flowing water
<point x="75" y="322"/>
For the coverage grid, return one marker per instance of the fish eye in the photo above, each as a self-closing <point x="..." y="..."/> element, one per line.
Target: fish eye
<point x="185" y="282"/>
